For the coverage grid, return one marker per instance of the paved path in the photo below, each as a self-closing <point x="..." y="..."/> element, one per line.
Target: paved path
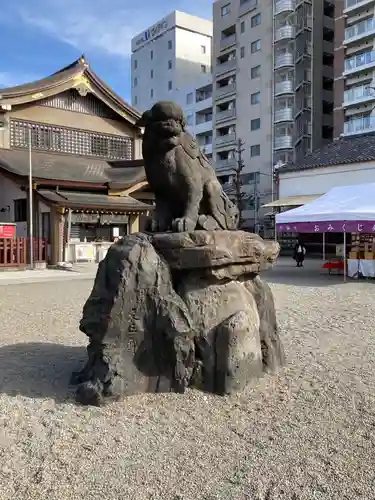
<point x="80" y="271"/>
<point x="284" y="270"/>
<point x="306" y="434"/>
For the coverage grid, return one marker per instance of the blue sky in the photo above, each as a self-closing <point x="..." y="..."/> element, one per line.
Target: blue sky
<point x="41" y="36"/>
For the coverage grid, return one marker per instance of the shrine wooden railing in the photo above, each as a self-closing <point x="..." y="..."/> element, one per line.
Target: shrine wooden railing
<point x="16" y="252"/>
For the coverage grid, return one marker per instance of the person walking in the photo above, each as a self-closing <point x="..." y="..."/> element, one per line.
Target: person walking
<point x="299" y="253"/>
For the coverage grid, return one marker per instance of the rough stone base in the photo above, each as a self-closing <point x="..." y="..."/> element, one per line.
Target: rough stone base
<point x="160" y="319"/>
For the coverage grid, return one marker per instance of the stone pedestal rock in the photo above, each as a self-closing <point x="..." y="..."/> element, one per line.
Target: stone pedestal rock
<point x="170" y="310"/>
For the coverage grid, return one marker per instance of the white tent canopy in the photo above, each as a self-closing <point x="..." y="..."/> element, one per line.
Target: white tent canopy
<point x="344" y="203"/>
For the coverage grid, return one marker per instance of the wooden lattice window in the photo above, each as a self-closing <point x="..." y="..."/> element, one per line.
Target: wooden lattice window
<point x="69" y="141"/>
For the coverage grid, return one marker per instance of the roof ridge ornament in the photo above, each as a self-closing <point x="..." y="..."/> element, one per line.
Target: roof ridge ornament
<point x="82" y="60"/>
<point x="82" y="84"/>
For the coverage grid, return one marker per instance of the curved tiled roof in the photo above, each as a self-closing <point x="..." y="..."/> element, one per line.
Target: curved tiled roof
<point x="80" y="67"/>
<point x="83" y="200"/>
<point x="345" y="150"/>
<point x="80" y="169"/>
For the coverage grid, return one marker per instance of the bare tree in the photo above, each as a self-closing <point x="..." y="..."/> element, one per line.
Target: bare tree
<point x="235" y="189"/>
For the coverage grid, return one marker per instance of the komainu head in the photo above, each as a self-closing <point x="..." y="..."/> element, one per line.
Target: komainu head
<point x="164" y="119"/>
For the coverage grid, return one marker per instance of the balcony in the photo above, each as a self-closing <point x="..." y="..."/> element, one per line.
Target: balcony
<point x="202" y="127"/>
<point x="221" y="140"/>
<point x="203" y="102"/>
<point x="283" y="142"/>
<point x="225" y="164"/>
<point x="285" y="33"/>
<point x="357" y="95"/>
<point x="227" y="114"/>
<point x="360" y="62"/>
<point x="352" y="5"/>
<point x="284" y="115"/>
<point x="225" y="66"/>
<point x="284" y="6"/>
<point x="228" y="41"/>
<point x="206" y="148"/>
<point x="361" y="125"/>
<point x="246" y="6"/>
<point x="360" y="30"/>
<point x="284" y="60"/>
<point x="226" y="90"/>
<point x="285" y="87"/>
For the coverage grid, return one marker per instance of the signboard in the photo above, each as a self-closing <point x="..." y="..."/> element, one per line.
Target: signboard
<point x="152" y="33"/>
<point x="7" y="231"/>
<point x="85" y="218"/>
<point x="114" y="219"/>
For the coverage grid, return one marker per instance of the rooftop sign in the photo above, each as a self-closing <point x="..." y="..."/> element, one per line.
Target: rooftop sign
<point x="151" y="33"/>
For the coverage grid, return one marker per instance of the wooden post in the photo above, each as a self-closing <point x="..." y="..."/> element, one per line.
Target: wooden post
<point x="57" y="233"/>
<point x="133" y="224"/>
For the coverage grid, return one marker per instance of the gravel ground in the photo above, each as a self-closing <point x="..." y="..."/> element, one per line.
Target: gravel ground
<point x="308" y="433"/>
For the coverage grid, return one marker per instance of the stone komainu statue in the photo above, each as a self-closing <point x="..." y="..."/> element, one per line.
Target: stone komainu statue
<point x="188" y="195"/>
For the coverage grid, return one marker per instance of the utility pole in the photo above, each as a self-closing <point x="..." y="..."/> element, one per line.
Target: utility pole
<point x="238" y="183"/>
<point x="31" y="216"/>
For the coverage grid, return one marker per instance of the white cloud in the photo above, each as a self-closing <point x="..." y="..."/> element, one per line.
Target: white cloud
<point x="105" y="25"/>
<point x="8" y="79"/>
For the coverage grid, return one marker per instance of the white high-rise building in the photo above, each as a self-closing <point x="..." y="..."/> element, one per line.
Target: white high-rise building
<point x="196" y="101"/>
<point x="169" y="56"/>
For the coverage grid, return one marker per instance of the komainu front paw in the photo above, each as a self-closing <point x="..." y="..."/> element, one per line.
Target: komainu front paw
<point x="183" y="225"/>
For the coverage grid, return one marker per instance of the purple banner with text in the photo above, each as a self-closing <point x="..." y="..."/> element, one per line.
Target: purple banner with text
<point x="338" y="226"/>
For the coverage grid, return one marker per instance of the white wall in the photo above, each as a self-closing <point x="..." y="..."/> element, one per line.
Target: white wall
<point x="321" y="180"/>
<point x="10" y="191"/>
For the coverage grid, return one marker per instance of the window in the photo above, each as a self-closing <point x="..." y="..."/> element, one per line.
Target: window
<point x="242" y="52"/>
<point x="70" y="141"/>
<point x="255" y="46"/>
<point x="255" y="72"/>
<point x="152" y="73"/>
<point x="169" y="44"/>
<point x="152" y="55"/>
<point x="203" y="49"/>
<point x="255" y="124"/>
<point x="189" y="119"/>
<point x="255" y="20"/>
<point x="151" y="93"/>
<point x="255" y="98"/>
<point x="20" y="210"/>
<point x="203" y="68"/>
<point x="189" y="98"/>
<point x="225" y="10"/>
<point x="169" y="64"/>
<point x="170" y="85"/>
<point x="255" y="150"/>
<point x="135" y="81"/>
<point x="242" y="27"/>
<point x="135" y="100"/>
<point x="135" y="64"/>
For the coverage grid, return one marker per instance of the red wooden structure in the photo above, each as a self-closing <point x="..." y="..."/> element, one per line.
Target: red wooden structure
<point x="15" y="252"/>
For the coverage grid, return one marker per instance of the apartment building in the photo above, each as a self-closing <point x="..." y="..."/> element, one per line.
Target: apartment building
<point x="354" y="67"/>
<point x="196" y="101"/>
<point x="272" y="86"/>
<point x="168" y="56"/>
